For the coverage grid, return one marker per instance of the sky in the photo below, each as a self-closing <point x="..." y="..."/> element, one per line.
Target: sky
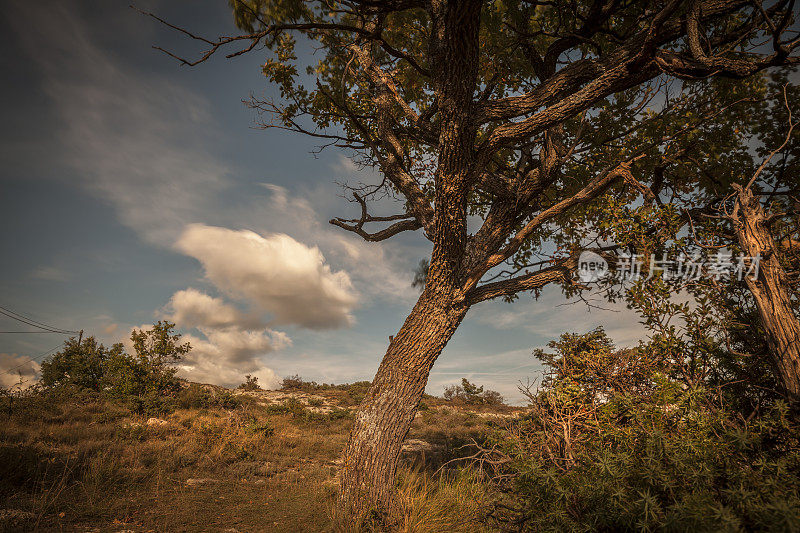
<point x="135" y="189"/>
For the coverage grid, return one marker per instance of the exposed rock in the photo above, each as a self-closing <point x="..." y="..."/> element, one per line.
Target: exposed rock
<point x="156" y="422"/>
<point x="313" y="402"/>
<point x="417" y="446"/>
<point x="191" y="482"/>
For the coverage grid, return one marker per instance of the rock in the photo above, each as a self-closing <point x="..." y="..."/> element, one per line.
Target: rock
<point x="417" y="445"/>
<point x="191" y="482"/>
<point x="156" y="422"/>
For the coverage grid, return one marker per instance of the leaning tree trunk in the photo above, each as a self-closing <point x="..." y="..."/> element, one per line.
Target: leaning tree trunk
<point x="771" y="292"/>
<point x="385" y="415"/>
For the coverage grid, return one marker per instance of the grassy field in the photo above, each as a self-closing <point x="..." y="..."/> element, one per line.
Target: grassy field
<point x="257" y="461"/>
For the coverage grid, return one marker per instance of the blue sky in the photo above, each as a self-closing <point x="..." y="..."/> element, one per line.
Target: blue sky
<point x="134" y="189"/>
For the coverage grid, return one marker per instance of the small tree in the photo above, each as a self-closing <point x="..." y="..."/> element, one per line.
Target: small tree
<point x="250" y="383"/>
<point x="159" y="346"/>
<point x="471" y="394"/>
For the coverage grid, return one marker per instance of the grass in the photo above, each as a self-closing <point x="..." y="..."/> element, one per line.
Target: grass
<point x="85" y="462"/>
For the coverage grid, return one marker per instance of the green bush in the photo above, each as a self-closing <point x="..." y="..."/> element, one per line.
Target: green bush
<point x="254" y="426"/>
<point x="145" y="379"/>
<point x="79" y="364"/>
<point x="250" y="383"/>
<point x="200" y="397"/>
<point x="613" y="443"/>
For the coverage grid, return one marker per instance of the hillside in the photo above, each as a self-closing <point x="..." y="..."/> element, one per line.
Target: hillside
<point x="222" y="460"/>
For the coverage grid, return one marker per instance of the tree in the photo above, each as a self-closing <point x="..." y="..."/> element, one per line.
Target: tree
<point x="744" y="203"/>
<point x="250" y="383"/>
<point x="521" y="113"/>
<point x="148" y="374"/>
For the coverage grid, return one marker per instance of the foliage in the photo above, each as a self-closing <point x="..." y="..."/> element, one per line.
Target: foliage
<point x="294" y="382"/>
<point x="79" y="364"/>
<point x="471" y="394"/>
<point x="145" y="378"/>
<point x="613" y="442"/>
<point x="197" y="396"/>
<point x="250" y="383"/>
<point x="707" y="332"/>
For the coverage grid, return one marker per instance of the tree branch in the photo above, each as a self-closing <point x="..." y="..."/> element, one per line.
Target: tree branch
<point x="560" y="272"/>
<point x="590" y="191"/>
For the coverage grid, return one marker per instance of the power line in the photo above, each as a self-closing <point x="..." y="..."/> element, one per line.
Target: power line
<point x="31" y="322"/>
<point x="32" y="332"/>
<point x="34" y="324"/>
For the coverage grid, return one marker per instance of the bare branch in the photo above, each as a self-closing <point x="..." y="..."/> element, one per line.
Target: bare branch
<point x="406" y="223"/>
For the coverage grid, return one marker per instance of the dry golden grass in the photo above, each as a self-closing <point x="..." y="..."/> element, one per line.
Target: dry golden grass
<point x="88" y="464"/>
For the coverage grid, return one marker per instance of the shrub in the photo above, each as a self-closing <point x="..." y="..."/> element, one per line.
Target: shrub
<point x="254" y="426"/>
<point x="292" y="383"/>
<point x="470" y="394"/>
<point x="250" y="383"/>
<point x="79" y="364"/>
<point x="613" y="443"/>
<point x="145" y="379"/>
<point x="199" y="397"/>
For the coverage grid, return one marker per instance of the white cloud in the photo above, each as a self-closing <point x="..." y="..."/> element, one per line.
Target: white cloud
<point x="225" y="356"/>
<point x="381" y="270"/>
<point x="282" y="276"/>
<point x="13" y="367"/>
<point x="208" y="370"/>
<point x="192" y="308"/>
<point x="239" y="346"/>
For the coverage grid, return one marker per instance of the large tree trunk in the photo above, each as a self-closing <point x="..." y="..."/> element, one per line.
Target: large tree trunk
<point x="385" y="415"/>
<point x="771" y="292"/>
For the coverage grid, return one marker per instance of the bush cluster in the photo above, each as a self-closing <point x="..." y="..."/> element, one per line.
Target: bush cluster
<point x="145" y="379"/>
<point x="614" y="442"/>
<point x="471" y="394"/>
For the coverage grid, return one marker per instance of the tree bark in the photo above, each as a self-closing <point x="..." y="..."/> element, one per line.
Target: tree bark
<point x="771" y="292"/>
<point x="385" y="415"/>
